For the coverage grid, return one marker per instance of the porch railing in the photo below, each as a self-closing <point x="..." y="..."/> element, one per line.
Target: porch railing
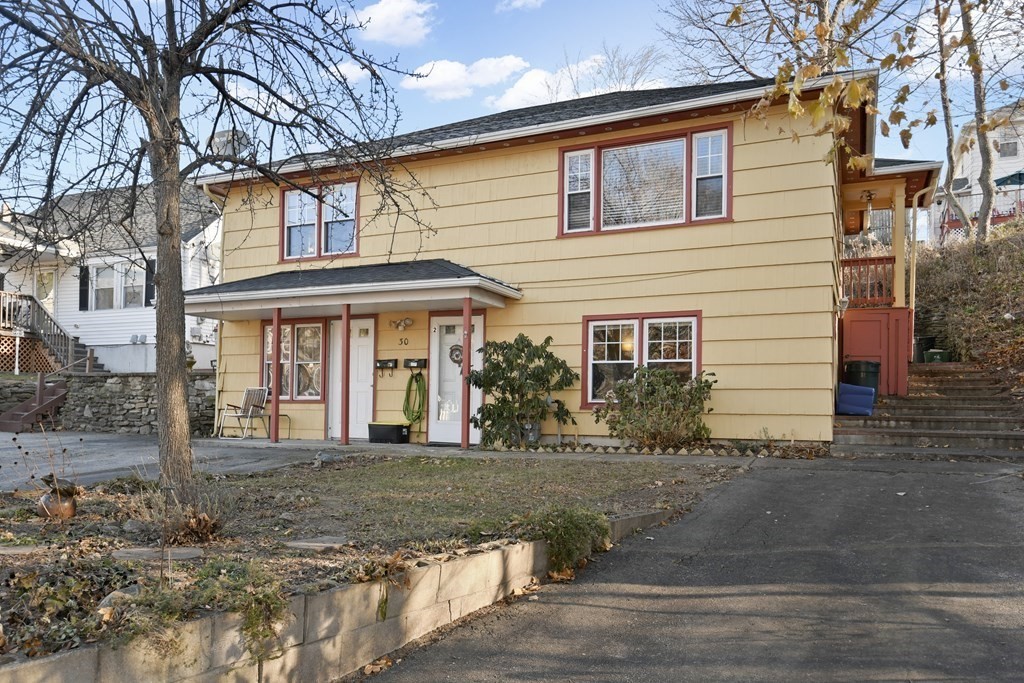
<point x="1006" y="206"/>
<point x="868" y="282"/>
<point x="24" y="312"/>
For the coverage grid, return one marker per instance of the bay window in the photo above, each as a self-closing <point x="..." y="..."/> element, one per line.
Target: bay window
<point x="652" y="183"/>
<point x="320" y="224"/>
<point x="616" y="346"/>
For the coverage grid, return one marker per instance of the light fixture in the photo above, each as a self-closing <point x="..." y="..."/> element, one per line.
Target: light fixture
<point x="400" y="325"/>
<point x="844" y="303"/>
<point x="867" y="196"/>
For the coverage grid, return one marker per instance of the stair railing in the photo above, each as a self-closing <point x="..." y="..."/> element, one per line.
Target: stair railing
<point x="41" y="384"/>
<point x="23" y="311"/>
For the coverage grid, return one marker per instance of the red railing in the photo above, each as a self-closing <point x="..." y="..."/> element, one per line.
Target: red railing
<point x="868" y="281"/>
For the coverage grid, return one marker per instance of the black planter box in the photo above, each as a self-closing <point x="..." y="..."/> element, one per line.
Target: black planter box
<point x="389" y="432"/>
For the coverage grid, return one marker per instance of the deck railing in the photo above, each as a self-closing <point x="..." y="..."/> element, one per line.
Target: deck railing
<point x="868" y="282"/>
<point x="24" y="312"/>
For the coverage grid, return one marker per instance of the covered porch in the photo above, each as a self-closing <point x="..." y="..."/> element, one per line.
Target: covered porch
<point x="325" y="337"/>
<point x="880" y="212"/>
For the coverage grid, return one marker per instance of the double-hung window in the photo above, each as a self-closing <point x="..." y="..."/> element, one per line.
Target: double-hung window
<point x="107" y="287"/>
<point x="646" y="184"/>
<point x="1008" y="143"/>
<point x="617" y="346"/>
<point x="320" y="222"/>
<point x="301" y="360"/>
<point x="104" y="287"/>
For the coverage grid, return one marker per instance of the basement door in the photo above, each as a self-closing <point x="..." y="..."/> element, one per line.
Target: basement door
<point x="880" y="335"/>
<point x="361" y="376"/>
<point x="444" y="422"/>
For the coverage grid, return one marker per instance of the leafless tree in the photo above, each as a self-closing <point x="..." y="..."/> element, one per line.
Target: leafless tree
<point x="120" y="93"/>
<point x="614" y="69"/>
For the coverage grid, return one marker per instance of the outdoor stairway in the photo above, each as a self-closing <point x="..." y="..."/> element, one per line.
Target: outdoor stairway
<point x="80" y="353"/>
<point x="24" y="417"/>
<point x="953" y="410"/>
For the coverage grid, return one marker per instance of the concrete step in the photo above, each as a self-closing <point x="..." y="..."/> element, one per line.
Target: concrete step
<point x="954" y="391"/>
<point x="955" y="382"/>
<point x="938" y="423"/>
<point x="1005" y="410"/>
<point x="952" y="402"/>
<point x="945" y="368"/>
<point x="914" y="453"/>
<point x="971" y="439"/>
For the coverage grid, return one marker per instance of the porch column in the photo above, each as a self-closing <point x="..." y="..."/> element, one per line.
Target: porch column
<point x="346" y="349"/>
<point x="467" y="355"/>
<point x="899" y="240"/>
<point x="275" y="377"/>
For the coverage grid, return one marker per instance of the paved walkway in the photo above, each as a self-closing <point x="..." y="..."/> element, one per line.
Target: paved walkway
<point x="798" y="571"/>
<point x="89" y="458"/>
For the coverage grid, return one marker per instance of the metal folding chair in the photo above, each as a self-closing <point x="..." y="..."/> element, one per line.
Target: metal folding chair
<point x="254" y="403"/>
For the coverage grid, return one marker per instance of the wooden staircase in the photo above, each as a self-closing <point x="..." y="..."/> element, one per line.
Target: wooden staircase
<point x="954" y="410"/>
<point x="49" y="397"/>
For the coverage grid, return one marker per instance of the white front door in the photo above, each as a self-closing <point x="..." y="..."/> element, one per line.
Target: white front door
<point x="360" y="376"/>
<point x="445" y="379"/>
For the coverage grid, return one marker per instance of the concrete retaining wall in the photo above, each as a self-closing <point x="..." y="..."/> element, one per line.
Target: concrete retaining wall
<point x="126" y="403"/>
<point x="325" y="635"/>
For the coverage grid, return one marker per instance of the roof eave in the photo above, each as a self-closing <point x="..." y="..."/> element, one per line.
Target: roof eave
<point x="363" y="288"/>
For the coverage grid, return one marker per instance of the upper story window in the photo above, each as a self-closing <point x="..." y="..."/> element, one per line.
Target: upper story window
<point x="647" y="184"/>
<point x="120" y="285"/>
<point x="1008" y="144"/>
<point x="322" y="225"/>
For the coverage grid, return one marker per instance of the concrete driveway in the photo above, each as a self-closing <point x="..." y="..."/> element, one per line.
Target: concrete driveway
<point x="798" y="571"/>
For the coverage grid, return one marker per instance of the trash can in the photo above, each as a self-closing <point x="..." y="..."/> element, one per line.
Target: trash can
<point x="863" y="373"/>
<point x="936" y="356"/>
<point x="922" y="344"/>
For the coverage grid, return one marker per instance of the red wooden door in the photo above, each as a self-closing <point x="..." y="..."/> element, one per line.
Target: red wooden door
<point x="881" y="335"/>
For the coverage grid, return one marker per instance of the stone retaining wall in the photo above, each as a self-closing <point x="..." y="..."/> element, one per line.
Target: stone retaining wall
<point x="14" y="392"/>
<point x="326" y="635"/>
<point x="126" y="403"/>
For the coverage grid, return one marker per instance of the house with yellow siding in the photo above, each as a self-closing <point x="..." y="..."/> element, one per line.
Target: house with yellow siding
<point x="661" y="227"/>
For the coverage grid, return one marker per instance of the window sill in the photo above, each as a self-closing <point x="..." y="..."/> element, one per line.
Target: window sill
<point x="308" y="259"/>
<point x="620" y="231"/>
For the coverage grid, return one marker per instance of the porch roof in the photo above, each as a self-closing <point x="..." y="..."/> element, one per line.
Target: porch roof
<point x="434" y="284"/>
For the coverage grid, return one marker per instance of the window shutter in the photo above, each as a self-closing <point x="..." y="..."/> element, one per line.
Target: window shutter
<point x="150" y="287"/>
<point x="83" y="288"/>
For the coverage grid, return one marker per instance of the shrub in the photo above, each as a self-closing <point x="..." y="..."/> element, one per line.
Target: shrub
<point x="572" y="534"/>
<point x="654" y="408"/>
<point x="519" y="377"/>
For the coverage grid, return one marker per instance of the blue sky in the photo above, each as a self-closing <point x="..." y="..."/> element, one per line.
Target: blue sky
<point x="484" y="56"/>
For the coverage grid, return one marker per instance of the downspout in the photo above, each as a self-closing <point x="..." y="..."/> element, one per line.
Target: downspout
<point x="219" y="373"/>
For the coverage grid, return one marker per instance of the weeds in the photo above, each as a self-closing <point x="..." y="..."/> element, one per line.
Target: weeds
<point x="573" y="534"/>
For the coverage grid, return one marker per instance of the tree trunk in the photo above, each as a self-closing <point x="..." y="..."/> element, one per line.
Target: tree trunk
<point x="985" y="182"/>
<point x="947" y="119"/>
<point x="171" y="373"/>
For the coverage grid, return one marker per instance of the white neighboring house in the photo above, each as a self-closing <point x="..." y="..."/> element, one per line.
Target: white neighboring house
<point x="91" y="266"/>
<point x="1008" y="158"/>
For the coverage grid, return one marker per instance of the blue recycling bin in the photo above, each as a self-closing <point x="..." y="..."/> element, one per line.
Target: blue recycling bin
<point x="852" y="399"/>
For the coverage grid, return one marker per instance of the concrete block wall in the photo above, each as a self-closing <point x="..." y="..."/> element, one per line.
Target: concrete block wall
<point x="325" y="635"/>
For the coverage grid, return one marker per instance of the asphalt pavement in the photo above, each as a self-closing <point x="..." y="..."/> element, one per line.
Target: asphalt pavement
<point x="819" y="570"/>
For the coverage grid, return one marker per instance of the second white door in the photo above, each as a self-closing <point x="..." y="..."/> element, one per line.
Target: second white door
<point x="445" y="378"/>
<point x="361" y="376"/>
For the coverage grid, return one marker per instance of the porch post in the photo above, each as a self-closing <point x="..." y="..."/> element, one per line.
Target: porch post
<point x="346" y="349"/>
<point x="899" y="239"/>
<point x="275" y="374"/>
<point x="467" y="355"/>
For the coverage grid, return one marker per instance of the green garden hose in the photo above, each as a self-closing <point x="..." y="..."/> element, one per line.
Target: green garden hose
<point x="413" y="407"/>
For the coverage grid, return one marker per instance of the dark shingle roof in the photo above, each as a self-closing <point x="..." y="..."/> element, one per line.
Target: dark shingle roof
<point x="382" y="273"/>
<point x="97" y="219"/>
<point x="569" y="110"/>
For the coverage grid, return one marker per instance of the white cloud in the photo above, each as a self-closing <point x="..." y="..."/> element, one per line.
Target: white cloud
<point x="444" y="79"/>
<point x="352" y="72"/>
<point x="508" y="5"/>
<point x="397" y="22"/>
<point x="582" y="79"/>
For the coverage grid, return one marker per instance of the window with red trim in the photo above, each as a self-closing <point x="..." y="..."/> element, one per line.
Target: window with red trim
<point x="320" y="225"/>
<point x="644" y="184"/>
<point x="617" y="346"/>
<point x="301" y="360"/>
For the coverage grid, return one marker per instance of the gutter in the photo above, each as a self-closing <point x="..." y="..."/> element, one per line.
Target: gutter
<point x="542" y="129"/>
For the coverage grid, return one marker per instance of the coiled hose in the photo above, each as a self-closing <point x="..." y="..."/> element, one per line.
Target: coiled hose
<point x="415" y="397"/>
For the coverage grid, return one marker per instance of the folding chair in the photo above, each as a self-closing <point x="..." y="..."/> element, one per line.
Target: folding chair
<point x="254" y="402"/>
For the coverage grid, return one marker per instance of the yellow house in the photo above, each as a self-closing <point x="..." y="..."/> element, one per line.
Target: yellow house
<point x="651" y="227"/>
